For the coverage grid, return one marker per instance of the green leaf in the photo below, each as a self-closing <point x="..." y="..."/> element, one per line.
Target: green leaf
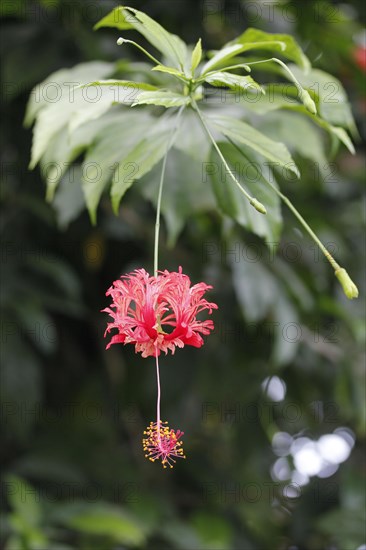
<point x="298" y="134"/>
<point x="69" y="201"/>
<point x="186" y="192"/>
<point x="63" y="148"/>
<point x="61" y="275"/>
<point x="51" y="90"/>
<point x="196" y="56"/>
<point x="21" y="386"/>
<point x="247" y="135"/>
<point x="56" y="159"/>
<point x="220" y="57"/>
<point x="170" y="45"/>
<point x="124" y="84"/>
<point x="291" y="51"/>
<point x="24" y="500"/>
<point x="169" y="70"/>
<point x="180" y="535"/>
<point x="233" y="81"/>
<point x="116" y="19"/>
<point x="251" y="173"/>
<point x="14" y="541"/>
<point x="108" y="521"/>
<point x="345" y="526"/>
<point x="191" y="137"/>
<point x="163" y="98"/>
<point x="255" y="286"/>
<point x="277" y="96"/>
<point x="285" y="314"/>
<point x="74" y="111"/>
<point x="78" y="106"/>
<point x="113" y="143"/>
<point x="140" y="159"/>
<point x="340" y="133"/>
<point x="234" y="49"/>
<point x="126" y="92"/>
<point x="213" y="530"/>
<point x="260" y="292"/>
<point x="30" y="315"/>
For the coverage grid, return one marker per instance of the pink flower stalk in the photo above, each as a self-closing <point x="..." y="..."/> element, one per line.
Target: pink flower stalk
<point x="162" y="443"/>
<point x="158" y="313"/>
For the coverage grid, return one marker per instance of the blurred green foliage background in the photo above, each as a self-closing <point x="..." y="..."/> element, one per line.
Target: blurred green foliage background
<point x="73" y="414"/>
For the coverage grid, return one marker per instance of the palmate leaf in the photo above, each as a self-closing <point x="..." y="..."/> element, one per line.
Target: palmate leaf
<point x="170" y="45"/>
<point x="292" y="50"/>
<point x="165" y="98"/>
<point x="244" y="134"/>
<point x="123" y="146"/>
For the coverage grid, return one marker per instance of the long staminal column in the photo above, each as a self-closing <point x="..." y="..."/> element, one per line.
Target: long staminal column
<point x="161" y="442"/>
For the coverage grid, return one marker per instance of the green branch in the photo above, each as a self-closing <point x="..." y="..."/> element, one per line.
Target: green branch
<point x="349" y="288"/>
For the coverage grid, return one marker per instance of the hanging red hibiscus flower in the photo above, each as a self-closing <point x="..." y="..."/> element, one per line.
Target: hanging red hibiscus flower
<point x="158" y="313"/>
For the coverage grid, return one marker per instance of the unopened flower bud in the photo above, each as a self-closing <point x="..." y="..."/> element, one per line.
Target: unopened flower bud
<point x="308" y="102"/>
<point x="258" y="206"/>
<point x="349" y="287"/>
<point x="120" y="41"/>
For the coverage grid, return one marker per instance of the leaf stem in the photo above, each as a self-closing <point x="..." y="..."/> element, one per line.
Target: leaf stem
<point x="252" y="200"/>
<point x="160" y="192"/>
